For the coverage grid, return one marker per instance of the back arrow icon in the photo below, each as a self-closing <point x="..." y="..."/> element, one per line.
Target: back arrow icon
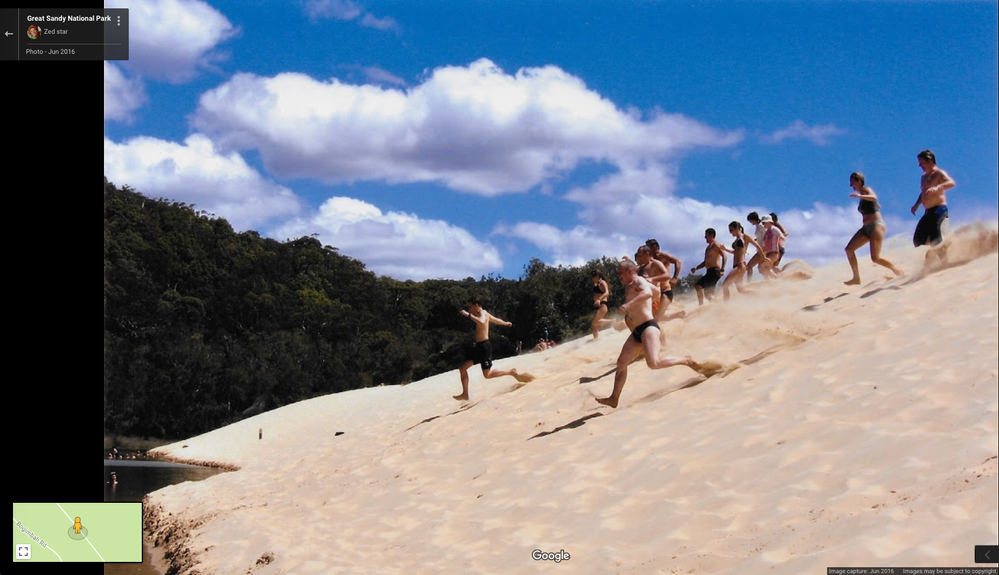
<point x="7" y="33"/>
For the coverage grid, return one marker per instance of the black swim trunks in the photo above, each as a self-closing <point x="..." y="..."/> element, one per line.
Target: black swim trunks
<point x="710" y="278"/>
<point x="637" y="333"/>
<point x="929" y="230"/>
<point x="669" y="294"/>
<point x="482" y="352"/>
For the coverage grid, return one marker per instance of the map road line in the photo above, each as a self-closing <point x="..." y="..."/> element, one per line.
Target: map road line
<point x="49" y="547"/>
<point x="87" y="539"/>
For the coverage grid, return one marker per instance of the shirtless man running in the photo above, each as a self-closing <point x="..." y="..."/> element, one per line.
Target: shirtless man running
<point x="713" y="255"/>
<point x="933" y="186"/>
<point x="637" y="310"/>
<point x="482" y="351"/>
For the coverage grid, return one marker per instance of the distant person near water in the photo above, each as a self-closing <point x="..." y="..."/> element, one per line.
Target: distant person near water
<point x="601" y="293"/>
<point x="637" y="310"/>
<point x="933" y="186"/>
<point x="714" y="262"/>
<point x="872" y="231"/>
<point x="481" y="351"/>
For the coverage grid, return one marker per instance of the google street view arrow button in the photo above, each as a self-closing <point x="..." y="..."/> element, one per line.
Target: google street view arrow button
<point x="986" y="553"/>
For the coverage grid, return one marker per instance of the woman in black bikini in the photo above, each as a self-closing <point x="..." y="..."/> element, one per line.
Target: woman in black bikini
<point x="873" y="230"/>
<point x="738" y="252"/>
<point x="601" y="293"/>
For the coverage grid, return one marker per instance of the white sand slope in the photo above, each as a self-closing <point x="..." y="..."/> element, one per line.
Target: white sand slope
<point x="862" y="432"/>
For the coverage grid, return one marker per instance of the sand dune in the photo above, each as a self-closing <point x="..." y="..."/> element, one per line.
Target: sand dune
<point x="860" y="429"/>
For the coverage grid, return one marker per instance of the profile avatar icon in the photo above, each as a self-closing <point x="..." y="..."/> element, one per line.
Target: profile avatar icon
<point x="34" y="32"/>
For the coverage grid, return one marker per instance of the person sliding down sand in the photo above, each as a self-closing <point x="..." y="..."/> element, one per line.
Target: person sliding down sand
<point x="637" y="310"/>
<point x="482" y="351"/>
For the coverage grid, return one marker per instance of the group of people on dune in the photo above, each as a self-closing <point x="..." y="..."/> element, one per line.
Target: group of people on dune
<point x="648" y="282"/>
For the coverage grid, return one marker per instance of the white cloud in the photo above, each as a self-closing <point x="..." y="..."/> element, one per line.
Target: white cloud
<point x="347" y="10"/>
<point x="396" y="244"/>
<point x="386" y="23"/>
<point x="797" y="130"/>
<point x="474" y="129"/>
<point x="171" y="39"/>
<point x="572" y="247"/>
<point x="195" y="172"/>
<point x="380" y="76"/>
<point x="122" y="95"/>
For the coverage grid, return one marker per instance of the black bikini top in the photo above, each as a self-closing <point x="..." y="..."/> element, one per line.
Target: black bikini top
<point x="867" y="207"/>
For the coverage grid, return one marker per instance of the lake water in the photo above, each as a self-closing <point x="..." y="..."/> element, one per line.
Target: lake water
<point x="136" y="478"/>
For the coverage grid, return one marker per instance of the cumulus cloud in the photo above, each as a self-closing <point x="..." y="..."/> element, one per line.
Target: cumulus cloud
<point x="171" y="39"/>
<point x="819" y="135"/>
<point x="122" y="95"/>
<point x="396" y="244"/>
<point x="474" y="129"/>
<point x="571" y="247"/>
<point x="347" y="10"/>
<point x="195" y="172"/>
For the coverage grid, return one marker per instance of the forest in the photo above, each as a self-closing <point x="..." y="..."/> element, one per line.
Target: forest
<point x="204" y="326"/>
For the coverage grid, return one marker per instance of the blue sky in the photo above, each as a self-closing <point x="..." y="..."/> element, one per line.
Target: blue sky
<point x="455" y="139"/>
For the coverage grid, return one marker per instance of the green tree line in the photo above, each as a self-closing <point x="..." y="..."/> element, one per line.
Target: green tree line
<point x="204" y="326"/>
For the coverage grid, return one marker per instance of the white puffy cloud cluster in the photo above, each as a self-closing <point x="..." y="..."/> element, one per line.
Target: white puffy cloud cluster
<point x="171" y="39"/>
<point x="472" y="128"/>
<point x="122" y="95"/>
<point x="195" y="172"/>
<point x="396" y="244"/>
<point x="168" y="40"/>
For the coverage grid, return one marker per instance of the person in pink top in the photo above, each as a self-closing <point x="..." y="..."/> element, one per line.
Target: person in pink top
<point x="772" y="239"/>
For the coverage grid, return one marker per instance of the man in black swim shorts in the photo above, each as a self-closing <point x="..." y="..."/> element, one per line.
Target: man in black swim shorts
<point x="933" y="186"/>
<point x="714" y="261"/>
<point x="637" y="310"/>
<point x="481" y="351"/>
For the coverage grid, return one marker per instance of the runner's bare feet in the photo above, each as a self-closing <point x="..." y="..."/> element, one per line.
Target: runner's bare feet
<point x="707" y="368"/>
<point x="462" y="397"/>
<point x="522" y="377"/>
<point x="853" y="282"/>
<point x="607" y="401"/>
